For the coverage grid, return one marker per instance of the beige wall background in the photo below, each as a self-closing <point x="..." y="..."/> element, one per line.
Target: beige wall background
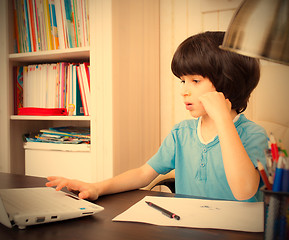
<point x="135" y="74"/>
<point x="179" y="19"/>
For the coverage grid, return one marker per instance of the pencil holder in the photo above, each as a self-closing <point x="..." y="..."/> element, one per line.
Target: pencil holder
<point x="276" y="215"/>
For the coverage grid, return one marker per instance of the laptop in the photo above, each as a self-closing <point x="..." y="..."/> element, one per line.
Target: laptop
<point x="30" y="206"/>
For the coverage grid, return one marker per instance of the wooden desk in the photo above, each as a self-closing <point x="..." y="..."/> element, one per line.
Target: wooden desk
<point x="100" y="226"/>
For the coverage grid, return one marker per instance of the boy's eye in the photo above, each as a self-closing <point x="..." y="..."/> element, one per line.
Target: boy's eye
<point x="182" y="81"/>
<point x="196" y="81"/>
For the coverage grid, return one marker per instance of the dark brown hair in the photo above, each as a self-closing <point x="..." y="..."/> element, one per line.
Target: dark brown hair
<point x="234" y="75"/>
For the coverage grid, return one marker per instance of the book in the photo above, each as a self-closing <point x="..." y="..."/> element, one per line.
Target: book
<point x="79" y="104"/>
<point x="83" y="132"/>
<point x="74" y="21"/>
<point x="43" y="30"/>
<point x="57" y="98"/>
<point x="56" y="147"/>
<point x="51" y="86"/>
<point x="76" y="94"/>
<point x="53" y="24"/>
<point x="37" y="25"/>
<point x="44" y="85"/>
<point x="47" y="25"/>
<point x="64" y="21"/>
<point x="16" y="29"/>
<point x="79" y="23"/>
<point x="33" y="84"/>
<point x="82" y="91"/>
<point x="32" y="111"/>
<point x="22" y="26"/>
<point x="86" y="84"/>
<point x="31" y="22"/>
<point x="86" y="17"/>
<point x="62" y="84"/>
<point x="28" y="47"/>
<point x="25" y="86"/>
<point x="68" y="86"/>
<point x="73" y="88"/>
<point x="37" y="84"/>
<point x="18" y="88"/>
<point x="69" y="24"/>
<point x="61" y="29"/>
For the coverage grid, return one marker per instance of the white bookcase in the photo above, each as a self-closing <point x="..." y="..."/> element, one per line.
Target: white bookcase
<point x="121" y="90"/>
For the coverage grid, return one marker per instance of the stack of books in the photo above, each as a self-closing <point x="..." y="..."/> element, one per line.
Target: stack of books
<point x="59" y="138"/>
<point x="63" y="135"/>
<point x="42" y="25"/>
<point x="55" y="85"/>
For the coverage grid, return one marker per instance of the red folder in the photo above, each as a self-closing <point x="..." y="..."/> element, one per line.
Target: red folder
<point x="42" y="111"/>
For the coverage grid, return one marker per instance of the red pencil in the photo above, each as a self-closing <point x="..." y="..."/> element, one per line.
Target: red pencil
<point x="274" y="148"/>
<point x="264" y="175"/>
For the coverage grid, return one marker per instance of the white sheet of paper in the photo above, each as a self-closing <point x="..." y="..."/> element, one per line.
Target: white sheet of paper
<point x="198" y="213"/>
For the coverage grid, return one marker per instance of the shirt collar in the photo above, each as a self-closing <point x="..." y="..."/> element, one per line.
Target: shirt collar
<point x="200" y="134"/>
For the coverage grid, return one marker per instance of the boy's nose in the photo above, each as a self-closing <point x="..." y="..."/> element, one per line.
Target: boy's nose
<point x="185" y="93"/>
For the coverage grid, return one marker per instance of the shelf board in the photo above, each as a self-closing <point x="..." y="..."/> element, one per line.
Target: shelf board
<point x="81" y="53"/>
<point x="62" y="118"/>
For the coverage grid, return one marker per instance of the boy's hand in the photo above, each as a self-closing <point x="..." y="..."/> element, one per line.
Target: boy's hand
<point x="86" y="190"/>
<point x="216" y="105"/>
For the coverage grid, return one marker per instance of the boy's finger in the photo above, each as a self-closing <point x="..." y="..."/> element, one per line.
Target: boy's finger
<point x="229" y="104"/>
<point x="83" y="195"/>
<point x="61" y="185"/>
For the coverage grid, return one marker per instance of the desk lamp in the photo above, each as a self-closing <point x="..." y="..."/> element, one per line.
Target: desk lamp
<point x="260" y="29"/>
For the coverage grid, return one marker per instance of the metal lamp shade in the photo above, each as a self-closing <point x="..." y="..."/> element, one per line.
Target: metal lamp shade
<point x="260" y="29"/>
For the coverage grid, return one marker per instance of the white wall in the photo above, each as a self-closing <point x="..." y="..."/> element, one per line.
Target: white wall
<point x="270" y="104"/>
<point x="182" y="18"/>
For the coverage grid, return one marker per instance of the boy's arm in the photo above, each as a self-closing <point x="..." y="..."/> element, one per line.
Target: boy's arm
<point x="132" y="179"/>
<point x="129" y="180"/>
<point x="241" y="174"/>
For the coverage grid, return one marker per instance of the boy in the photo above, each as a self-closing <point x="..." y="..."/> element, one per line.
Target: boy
<point x="215" y="154"/>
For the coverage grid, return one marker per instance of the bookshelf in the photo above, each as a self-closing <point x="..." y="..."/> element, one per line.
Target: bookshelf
<point x="124" y="87"/>
<point x="62" y="118"/>
<point x="79" y="53"/>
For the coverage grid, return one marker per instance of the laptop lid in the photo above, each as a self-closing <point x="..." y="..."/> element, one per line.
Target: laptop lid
<point x="30" y="206"/>
<point x="3" y="215"/>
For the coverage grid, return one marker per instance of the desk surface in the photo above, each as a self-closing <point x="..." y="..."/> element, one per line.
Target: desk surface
<point x="100" y="226"/>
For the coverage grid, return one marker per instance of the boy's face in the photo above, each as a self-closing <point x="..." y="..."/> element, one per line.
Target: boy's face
<point x="193" y="87"/>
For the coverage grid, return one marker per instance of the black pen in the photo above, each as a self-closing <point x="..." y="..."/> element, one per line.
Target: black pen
<point x="164" y="211"/>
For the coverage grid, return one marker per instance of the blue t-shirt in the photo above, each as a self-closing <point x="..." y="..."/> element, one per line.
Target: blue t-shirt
<point x="199" y="168"/>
